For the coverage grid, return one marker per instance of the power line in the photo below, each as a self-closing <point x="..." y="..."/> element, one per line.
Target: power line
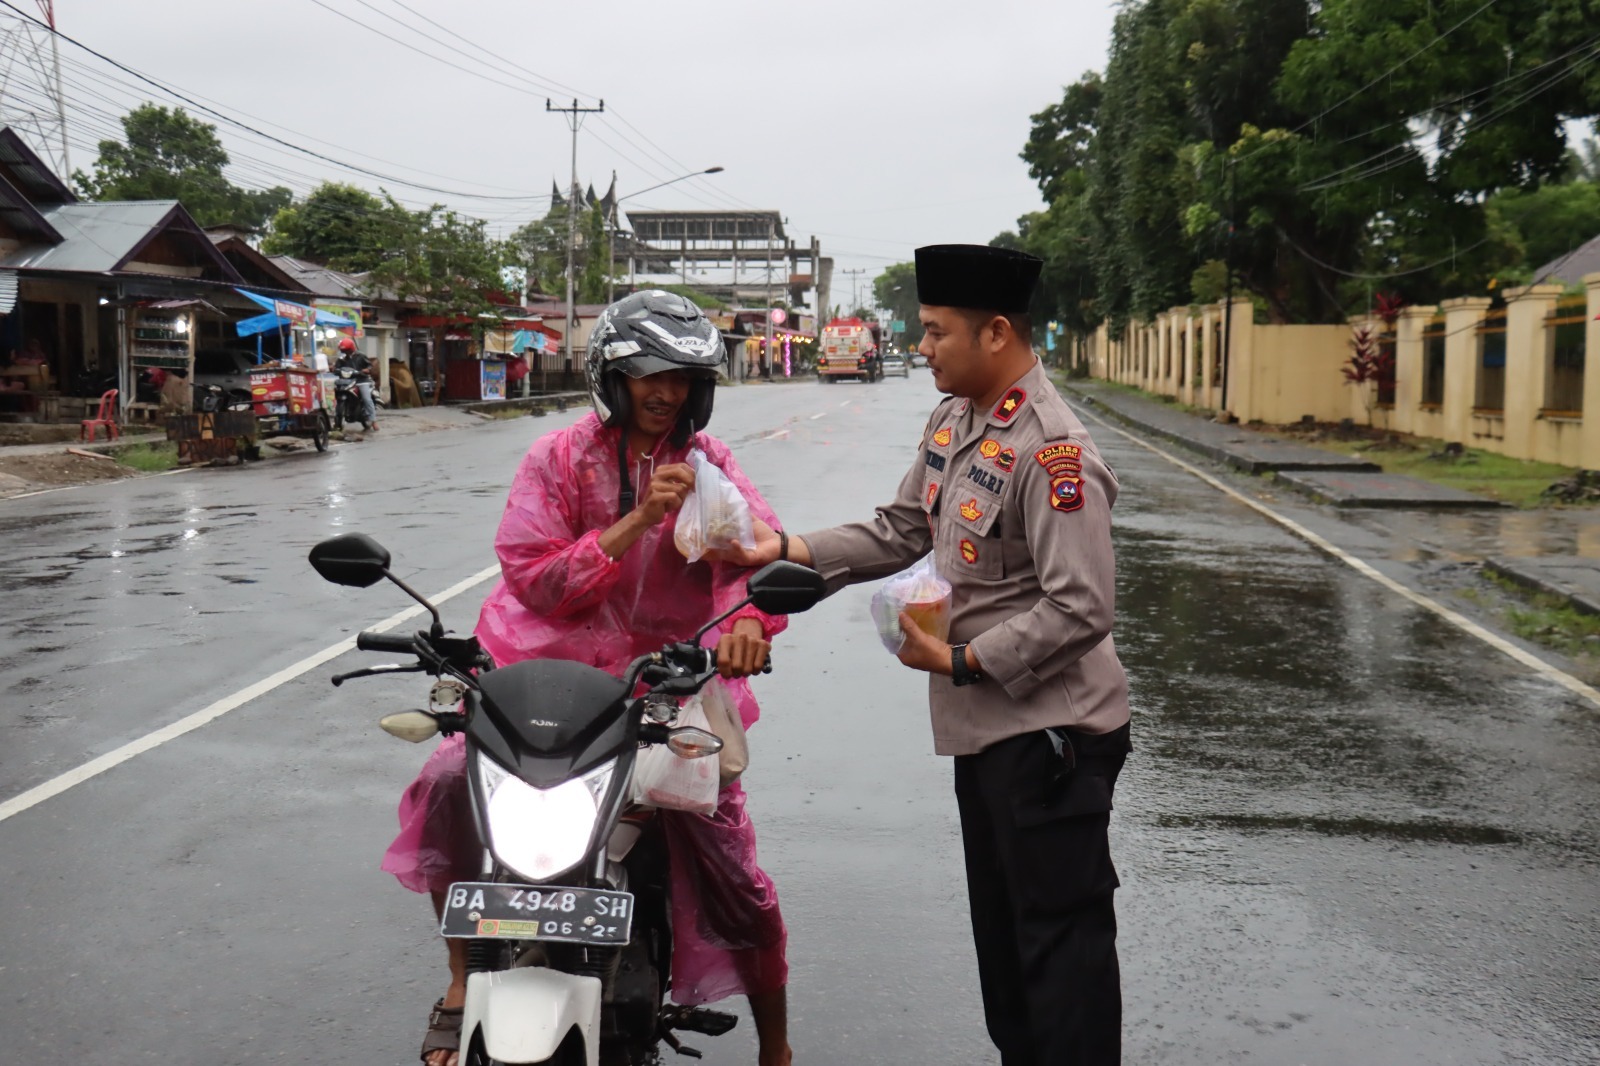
<point x="1371" y="167"/>
<point x="191" y="101"/>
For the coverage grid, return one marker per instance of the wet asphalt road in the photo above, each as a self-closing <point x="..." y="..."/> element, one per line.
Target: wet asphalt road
<point x="1347" y="835"/>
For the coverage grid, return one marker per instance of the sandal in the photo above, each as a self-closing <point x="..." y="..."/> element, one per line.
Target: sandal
<point x="444" y="1030"/>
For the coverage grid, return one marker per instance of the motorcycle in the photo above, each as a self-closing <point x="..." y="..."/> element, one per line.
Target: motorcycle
<point x="347" y="396"/>
<point x="568" y="930"/>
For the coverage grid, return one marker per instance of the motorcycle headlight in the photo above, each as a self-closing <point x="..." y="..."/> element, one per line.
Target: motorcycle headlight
<point x="540" y="832"/>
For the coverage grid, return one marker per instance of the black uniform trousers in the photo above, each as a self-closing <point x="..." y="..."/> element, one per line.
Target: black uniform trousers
<point x="1040" y="883"/>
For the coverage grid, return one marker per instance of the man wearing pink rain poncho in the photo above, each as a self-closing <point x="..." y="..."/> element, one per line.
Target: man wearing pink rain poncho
<point x="589" y="573"/>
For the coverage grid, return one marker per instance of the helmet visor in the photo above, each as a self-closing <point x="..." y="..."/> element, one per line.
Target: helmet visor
<point x="643" y="365"/>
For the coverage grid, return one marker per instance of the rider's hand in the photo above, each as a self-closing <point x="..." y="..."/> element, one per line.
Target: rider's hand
<point x="743" y="651"/>
<point x="766" y="550"/>
<point x="666" y="492"/>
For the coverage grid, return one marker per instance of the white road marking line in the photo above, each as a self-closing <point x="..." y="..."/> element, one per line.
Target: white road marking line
<point x="819" y="414"/>
<point x="846" y="403"/>
<point x="1455" y="618"/>
<point x="777" y="434"/>
<point x="116" y="757"/>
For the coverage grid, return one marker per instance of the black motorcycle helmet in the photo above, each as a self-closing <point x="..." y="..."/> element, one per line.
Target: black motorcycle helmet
<point x="648" y="333"/>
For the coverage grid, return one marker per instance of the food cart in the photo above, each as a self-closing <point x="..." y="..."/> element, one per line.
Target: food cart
<point x="289" y="395"/>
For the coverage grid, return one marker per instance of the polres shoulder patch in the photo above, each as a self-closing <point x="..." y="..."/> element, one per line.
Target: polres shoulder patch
<point x="1066" y="492"/>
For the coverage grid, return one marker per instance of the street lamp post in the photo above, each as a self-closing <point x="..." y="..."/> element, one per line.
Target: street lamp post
<point x="611" y="233"/>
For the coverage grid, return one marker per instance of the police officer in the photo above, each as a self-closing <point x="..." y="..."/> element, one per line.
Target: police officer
<point x="1012" y="498"/>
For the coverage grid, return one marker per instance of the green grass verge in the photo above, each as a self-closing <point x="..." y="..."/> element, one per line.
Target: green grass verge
<point x="150" y="458"/>
<point x="1518" y="482"/>
<point x="1549" y="620"/>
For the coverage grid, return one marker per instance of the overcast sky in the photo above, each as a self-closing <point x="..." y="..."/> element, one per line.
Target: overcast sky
<point x="877" y="125"/>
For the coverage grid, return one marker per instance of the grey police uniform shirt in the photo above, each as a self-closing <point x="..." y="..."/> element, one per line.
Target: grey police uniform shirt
<point x="1015" y="503"/>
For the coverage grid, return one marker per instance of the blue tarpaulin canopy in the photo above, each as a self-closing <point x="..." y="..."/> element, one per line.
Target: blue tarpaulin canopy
<point x="272" y="320"/>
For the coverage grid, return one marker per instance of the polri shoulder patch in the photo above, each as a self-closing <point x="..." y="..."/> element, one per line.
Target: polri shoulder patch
<point x="989" y="448"/>
<point x="1010" y="405"/>
<point x="942" y="438"/>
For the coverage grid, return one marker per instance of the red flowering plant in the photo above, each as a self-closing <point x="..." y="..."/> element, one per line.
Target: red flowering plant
<point x="1370" y="367"/>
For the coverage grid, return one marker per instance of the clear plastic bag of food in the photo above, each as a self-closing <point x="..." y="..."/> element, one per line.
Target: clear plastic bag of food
<point x="715" y="515"/>
<point x="662" y="778"/>
<point x="921" y="593"/>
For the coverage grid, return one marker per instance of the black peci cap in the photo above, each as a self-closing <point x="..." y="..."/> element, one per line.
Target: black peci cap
<point x="976" y="276"/>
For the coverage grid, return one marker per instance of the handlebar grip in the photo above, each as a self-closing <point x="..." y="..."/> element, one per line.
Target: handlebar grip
<point x="386" y="642"/>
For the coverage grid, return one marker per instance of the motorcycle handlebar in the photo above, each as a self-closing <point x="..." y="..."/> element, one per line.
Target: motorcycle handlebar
<point x="386" y="642"/>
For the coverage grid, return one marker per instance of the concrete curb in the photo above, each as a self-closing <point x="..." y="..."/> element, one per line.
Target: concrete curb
<point x="1531" y="579"/>
<point x="1247" y="464"/>
<point x="1304" y="482"/>
<point x="537" y="404"/>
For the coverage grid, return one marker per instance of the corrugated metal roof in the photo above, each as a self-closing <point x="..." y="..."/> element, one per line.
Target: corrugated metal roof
<point x="8" y="291"/>
<point x="97" y="237"/>
<point x="30" y="172"/>
<point x="22" y="217"/>
<point x="321" y="280"/>
<point x="1570" y="268"/>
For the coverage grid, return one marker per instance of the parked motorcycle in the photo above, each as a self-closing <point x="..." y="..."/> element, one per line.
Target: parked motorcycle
<point x="569" y="940"/>
<point x="347" y="397"/>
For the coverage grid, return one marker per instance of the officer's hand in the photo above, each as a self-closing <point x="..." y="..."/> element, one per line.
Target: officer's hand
<point x="766" y="550"/>
<point x="666" y="492"/>
<point x="921" y="651"/>
<point x="743" y="652"/>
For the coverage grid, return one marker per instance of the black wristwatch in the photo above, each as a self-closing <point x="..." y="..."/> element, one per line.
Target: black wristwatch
<point x="960" y="672"/>
<point x="783" y="545"/>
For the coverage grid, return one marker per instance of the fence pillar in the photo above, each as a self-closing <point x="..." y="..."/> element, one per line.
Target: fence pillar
<point x="1590" y="438"/>
<point x="1186" y="387"/>
<point x="1527" y="368"/>
<point x="1408" y="366"/>
<point x="1461" y="319"/>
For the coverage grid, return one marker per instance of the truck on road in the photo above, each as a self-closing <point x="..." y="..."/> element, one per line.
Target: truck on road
<point x="850" y="349"/>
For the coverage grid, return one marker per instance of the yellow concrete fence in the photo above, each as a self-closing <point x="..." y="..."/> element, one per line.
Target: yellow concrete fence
<point x="1505" y="377"/>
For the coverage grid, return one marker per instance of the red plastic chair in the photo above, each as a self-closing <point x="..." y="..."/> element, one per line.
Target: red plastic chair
<point x="106" y="417"/>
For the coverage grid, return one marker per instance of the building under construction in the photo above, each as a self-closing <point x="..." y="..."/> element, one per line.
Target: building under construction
<point x="743" y="257"/>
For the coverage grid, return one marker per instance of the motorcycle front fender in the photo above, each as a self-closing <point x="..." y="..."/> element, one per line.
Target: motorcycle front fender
<point x="525" y="1014"/>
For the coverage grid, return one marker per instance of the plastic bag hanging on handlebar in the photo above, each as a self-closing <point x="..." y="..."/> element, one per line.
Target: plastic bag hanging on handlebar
<point x="663" y="779"/>
<point x="715" y="515"/>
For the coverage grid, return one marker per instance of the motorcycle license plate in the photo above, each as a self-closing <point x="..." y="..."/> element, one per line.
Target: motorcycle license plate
<point x="537" y="912"/>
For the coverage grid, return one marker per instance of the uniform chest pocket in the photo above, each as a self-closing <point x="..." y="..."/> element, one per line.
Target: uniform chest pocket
<point x="971" y="518"/>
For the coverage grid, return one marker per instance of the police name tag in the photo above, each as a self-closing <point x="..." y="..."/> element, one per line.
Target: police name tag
<point x="537" y="912"/>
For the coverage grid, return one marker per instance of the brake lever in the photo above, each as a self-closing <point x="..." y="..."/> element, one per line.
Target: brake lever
<point x="373" y="671"/>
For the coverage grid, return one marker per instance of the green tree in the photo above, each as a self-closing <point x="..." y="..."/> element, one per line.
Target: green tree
<point x="896" y="289"/>
<point x="1551" y="220"/>
<point x="338" y="225"/>
<point x="169" y="156"/>
<point x="442" y="263"/>
<point x="540" y="247"/>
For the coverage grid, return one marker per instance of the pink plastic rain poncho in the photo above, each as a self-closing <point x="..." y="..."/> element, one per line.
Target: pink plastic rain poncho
<point x="561" y="597"/>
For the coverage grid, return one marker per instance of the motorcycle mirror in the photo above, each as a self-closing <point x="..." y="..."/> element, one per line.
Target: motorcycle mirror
<point x="687" y="742"/>
<point x="413" y="726"/>
<point x="354" y="559"/>
<point x="785" y="588"/>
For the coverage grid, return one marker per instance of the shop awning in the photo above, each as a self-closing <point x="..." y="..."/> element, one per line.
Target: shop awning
<point x="287" y="312"/>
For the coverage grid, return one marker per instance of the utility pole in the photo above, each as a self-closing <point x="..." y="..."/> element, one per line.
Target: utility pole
<point x="855" y="287"/>
<point x="575" y="121"/>
<point x="1227" y="321"/>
